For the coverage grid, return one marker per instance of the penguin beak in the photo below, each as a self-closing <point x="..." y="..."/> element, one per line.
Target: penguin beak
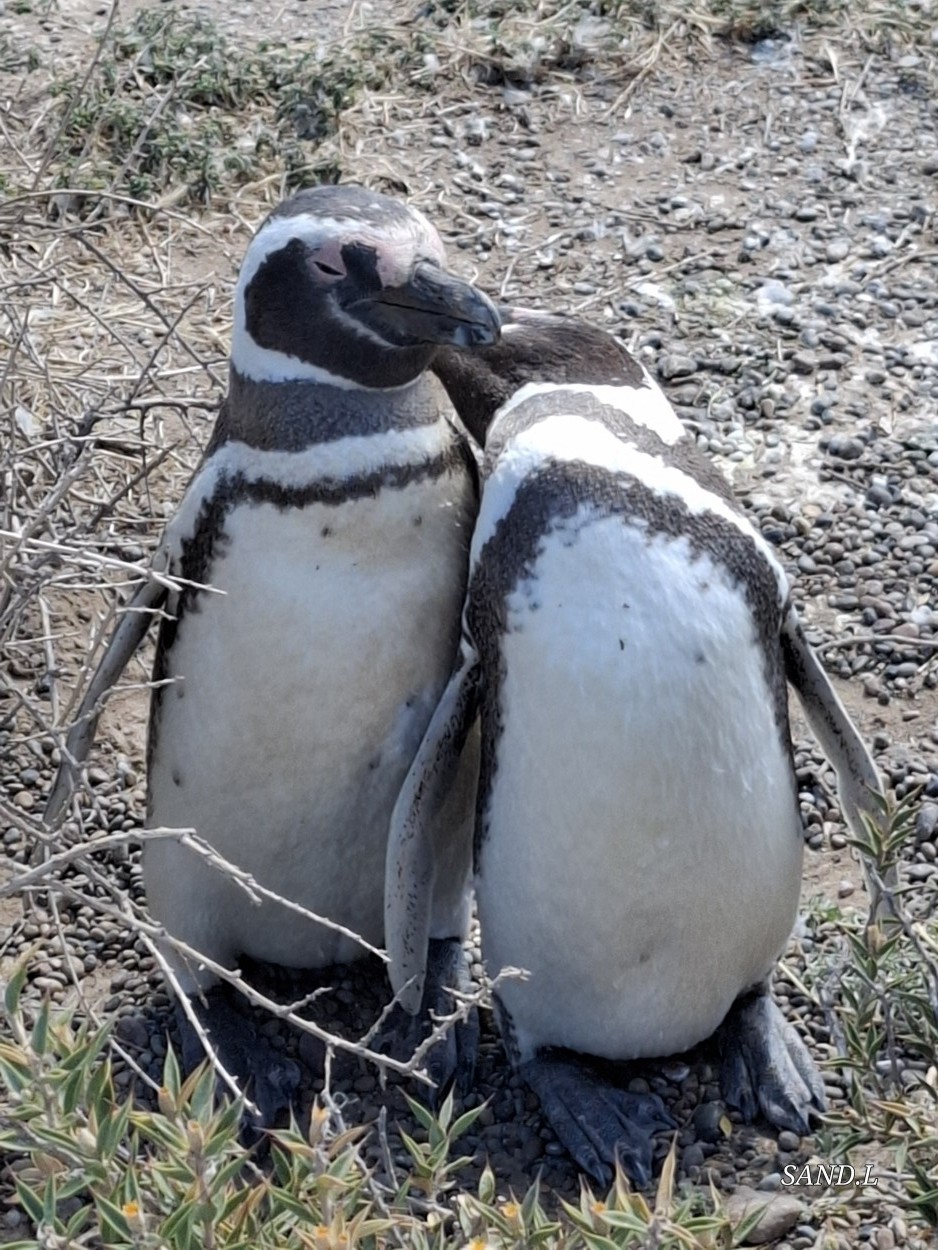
<point x="431" y="307"/>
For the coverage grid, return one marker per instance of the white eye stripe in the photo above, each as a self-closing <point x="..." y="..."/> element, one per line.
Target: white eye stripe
<point x="646" y="405"/>
<point x="566" y="437"/>
<point x="279" y="232"/>
<point x="315" y="232"/>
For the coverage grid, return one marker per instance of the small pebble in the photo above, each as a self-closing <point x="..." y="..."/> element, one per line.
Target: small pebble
<point x="670" y="367"/>
<point x="706" y="1121"/>
<point x="771" y="1182"/>
<point x="779" y="1214"/>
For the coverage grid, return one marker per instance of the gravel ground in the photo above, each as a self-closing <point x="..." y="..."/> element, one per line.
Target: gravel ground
<point x="759" y="224"/>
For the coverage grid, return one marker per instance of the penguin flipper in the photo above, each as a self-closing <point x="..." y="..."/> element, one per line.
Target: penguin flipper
<point x="857" y="778"/>
<point x="415" y="845"/>
<point x="136" y="618"/>
<point x="858" y="783"/>
<point x="599" y="1124"/>
<point x="765" y="1066"/>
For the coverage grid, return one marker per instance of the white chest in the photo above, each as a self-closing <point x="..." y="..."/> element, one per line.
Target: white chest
<point x="302" y="695"/>
<point x="643" y="859"/>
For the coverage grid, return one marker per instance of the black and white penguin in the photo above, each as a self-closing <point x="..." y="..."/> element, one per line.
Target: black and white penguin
<point x="638" y="847"/>
<point x="333" y="508"/>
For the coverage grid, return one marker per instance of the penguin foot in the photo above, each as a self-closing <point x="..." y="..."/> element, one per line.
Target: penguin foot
<point x="451" y="1062"/>
<point x="597" y="1122"/>
<point x="267" y="1076"/>
<point x="765" y="1066"/>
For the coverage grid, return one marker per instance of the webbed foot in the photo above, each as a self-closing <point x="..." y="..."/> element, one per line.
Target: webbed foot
<point x="267" y="1076"/>
<point x="451" y="1061"/>
<point x="598" y="1123"/>
<point x="765" y="1066"/>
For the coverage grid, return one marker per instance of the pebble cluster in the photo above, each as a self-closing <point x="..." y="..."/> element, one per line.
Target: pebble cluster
<point x="762" y="232"/>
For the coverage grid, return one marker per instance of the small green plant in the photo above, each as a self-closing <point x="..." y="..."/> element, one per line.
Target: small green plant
<point x="890" y="987"/>
<point x="886" y="1015"/>
<point x="434" y="1165"/>
<point x="748" y="21"/>
<point x="176" y="1177"/>
<point x="91" y="1168"/>
<point x="16" y="57"/>
<point x="172" y="108"/>
<point x="173" y="105"/>
<point x="623" y="1219"/>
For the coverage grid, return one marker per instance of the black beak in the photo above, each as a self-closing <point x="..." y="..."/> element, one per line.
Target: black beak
<point x="432" y="307"/>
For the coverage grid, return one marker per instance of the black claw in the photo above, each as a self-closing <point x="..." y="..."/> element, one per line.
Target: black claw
<point x="588" y="1161"/>
<point x="467" y="1047"/>
<point x="786" y="1116"/>
<point x="807" y="1070"/>
<point x="636" y="1166"/>
<point x="440" y="1065"/>
<point x="737" y="1087"/>
<point x="766" y="1066"/>
<point x="647" y="1110"/>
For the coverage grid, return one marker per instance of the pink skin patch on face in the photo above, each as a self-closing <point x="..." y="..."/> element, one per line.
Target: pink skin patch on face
<point x="327" y="260"/>
<point x="395" y="257"/>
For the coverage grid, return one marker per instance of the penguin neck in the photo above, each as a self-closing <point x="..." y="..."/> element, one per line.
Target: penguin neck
<point x="294" y="415"/>
<point x="475" y="386"/>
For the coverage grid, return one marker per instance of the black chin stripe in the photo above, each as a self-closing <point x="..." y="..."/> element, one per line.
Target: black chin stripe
<point x="235" y="489"/>
<point x="208" y="539"/>
<point x="552" y="495"/>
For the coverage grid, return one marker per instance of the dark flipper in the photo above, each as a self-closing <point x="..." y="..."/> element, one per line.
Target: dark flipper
<point x="857" y="778"/>
<point x="597" y="1122"/>
<point x="859" y="786"/>
<point x="267" y="1076"/>
<point x="414" y="846"/>
<point x="129" y="633"/>
<point x="765" y="1066"/>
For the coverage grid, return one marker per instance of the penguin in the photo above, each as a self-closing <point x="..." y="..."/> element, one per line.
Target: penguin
<point x="627" y="638"/>
<point x="332" y="509"/>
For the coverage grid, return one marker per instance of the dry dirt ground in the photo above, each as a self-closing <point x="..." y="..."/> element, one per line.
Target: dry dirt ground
<point x="755" y="218"/>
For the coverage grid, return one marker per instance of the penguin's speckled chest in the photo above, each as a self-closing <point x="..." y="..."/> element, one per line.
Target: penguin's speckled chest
<point x="637" y="778"/>
<point x="302" y="694"/>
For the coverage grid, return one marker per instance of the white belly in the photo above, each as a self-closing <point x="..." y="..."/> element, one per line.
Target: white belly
<point x="305" y="692"/>
<point x="644" y="852"/>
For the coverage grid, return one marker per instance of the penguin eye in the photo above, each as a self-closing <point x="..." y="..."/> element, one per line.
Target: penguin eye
<point x="327" y="269"/>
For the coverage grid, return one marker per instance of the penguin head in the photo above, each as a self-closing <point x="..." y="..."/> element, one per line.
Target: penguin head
<point x="347" y="286"/>
<point x="535" y="347"/>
